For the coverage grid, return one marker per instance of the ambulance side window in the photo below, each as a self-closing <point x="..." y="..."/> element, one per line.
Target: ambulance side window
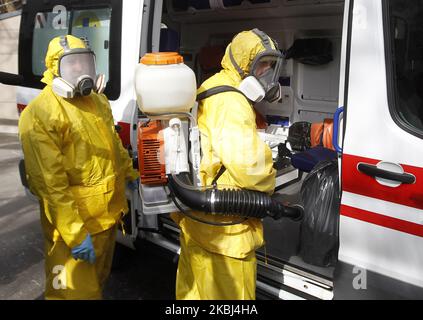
<point x="405" y="60"/>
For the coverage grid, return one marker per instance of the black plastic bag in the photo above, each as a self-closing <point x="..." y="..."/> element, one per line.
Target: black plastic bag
<point x="319" y="239"/>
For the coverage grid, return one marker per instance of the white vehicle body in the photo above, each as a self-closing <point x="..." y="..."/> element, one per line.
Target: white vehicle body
<point x="381" y="220"/>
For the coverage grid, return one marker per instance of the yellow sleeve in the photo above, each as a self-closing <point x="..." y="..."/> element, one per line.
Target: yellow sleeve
<point x="47" y="178"/>
<point x="235" y="141"/>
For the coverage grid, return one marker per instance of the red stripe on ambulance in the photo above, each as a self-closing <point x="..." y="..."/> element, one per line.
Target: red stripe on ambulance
<point x="383" y="221"/>
<point x="359" y="183"/>
<point x="21" y="107"/>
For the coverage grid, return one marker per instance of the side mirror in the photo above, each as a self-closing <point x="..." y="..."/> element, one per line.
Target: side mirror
<point x="11" y="79"/>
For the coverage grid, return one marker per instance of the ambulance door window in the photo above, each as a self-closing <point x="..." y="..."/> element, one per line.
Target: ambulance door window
<point x="406" y="63"/>
<point x="95" y="26"/>
<point x="92" y="24"/>
<point x="41" y="21"/>
<point x="47" y="25"/>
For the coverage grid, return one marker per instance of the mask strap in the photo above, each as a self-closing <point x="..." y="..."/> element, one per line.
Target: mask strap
<point x="64" y="43"/>
<point x="237" y="67"/>
<point x="86" y="42"/>
<point x="265" y="39"/>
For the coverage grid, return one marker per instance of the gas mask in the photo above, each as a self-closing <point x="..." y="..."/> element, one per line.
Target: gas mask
<point x="77" y="73"/>
<point x="262" y="82"/>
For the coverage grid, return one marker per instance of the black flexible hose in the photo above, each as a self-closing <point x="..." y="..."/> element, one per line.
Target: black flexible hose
<point x="245" y="203"/>
<point x="218" y="224"/>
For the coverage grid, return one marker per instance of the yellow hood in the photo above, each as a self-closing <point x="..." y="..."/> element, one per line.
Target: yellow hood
<point x="245" y="46"/>
<point x="54" y="52"/>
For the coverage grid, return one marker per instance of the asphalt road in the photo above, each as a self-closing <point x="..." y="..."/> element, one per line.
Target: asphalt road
<point x="144" y="274"/>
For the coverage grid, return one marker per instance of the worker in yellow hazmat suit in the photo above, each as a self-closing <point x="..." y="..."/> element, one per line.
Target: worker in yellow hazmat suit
<point x="77" y="167"/>
<point x="219" y="262"/>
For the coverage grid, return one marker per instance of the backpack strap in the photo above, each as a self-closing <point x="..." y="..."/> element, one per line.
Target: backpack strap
<point x="211" y="92"/>
<point x="219" y="173"/>
<point x="219" y="89"/>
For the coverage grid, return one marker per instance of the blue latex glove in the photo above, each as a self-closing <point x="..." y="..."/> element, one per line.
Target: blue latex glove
<point x="133" y="185"/>
<point x="84" y="251"/>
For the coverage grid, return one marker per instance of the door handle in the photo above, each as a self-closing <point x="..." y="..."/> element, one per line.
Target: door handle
<point x="373" y="171"/>
<point x="335" y="137"/>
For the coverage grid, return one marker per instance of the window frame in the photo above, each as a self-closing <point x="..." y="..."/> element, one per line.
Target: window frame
<point x="393" y="99"/>
<point x="26" y="35"/>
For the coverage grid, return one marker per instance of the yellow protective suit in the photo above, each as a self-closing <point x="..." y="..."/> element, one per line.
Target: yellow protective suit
<point x="77" y="167"/>
<point x="218" y="262"/>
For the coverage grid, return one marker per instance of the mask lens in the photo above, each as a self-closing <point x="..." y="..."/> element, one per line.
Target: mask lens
<point x="267" y="70"/>
<point x="266" y="77"/>
<point x="74" y="65"/>
<point x="262" y="67"/>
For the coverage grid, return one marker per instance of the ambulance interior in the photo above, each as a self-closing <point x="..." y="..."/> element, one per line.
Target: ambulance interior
<point x="200" y="31"/>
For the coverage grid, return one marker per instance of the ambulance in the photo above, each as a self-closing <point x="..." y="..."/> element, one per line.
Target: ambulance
<point x="357" y="62"/>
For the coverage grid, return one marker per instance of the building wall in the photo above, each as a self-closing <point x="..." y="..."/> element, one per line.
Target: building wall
<point x="9" y="36"/>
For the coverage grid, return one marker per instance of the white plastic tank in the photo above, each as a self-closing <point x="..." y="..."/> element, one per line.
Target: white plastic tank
<point x="164" y="84"/>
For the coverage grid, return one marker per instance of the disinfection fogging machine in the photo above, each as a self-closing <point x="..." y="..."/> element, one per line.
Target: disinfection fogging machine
<point x="166" y="93"/>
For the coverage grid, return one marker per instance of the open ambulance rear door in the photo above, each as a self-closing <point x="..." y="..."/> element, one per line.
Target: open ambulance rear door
<point x="381" y="224"/>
